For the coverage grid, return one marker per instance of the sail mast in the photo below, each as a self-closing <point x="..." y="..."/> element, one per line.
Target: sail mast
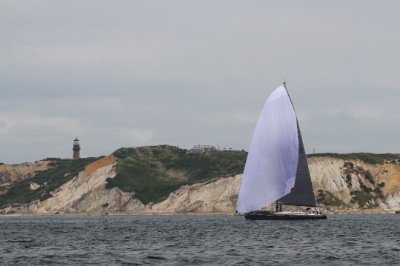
<point x="302" y="194"/>
<point x="290" y="98"/>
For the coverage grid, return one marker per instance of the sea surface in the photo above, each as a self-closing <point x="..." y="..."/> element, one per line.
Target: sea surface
<point x="199" y="240"/>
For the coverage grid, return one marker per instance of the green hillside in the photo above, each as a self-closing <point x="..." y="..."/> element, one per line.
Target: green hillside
<point x="154" y="172"/>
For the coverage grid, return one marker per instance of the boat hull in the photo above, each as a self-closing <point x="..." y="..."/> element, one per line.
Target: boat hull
<point x="267" y="215"/>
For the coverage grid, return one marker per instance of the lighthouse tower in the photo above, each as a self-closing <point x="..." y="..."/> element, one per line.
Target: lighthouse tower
<point x="76" y="149"/>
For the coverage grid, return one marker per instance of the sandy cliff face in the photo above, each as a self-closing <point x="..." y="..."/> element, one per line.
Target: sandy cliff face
<point x="87" y="193"/>
<point x="218" y="195"/>
<point x="337" y="183"/>
<point x="11" y="173"/>
<point x="356" y="184"/>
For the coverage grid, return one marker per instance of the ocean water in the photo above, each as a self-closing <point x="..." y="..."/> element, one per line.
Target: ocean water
<point x="199" y="240"/>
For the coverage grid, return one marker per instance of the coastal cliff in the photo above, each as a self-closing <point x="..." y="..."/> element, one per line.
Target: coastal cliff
<point x="165" y="179"/>
<point x="9" y="174"/>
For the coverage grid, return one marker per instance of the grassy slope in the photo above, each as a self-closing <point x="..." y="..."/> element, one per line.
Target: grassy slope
<point x="60" y="172"/>
<point x="154" y="172"/>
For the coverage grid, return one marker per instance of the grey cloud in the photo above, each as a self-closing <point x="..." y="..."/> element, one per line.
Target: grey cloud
<point x="182" y="73"/>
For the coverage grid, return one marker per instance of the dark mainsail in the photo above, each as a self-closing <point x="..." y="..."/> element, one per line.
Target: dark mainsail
<point x="303" y="194"/>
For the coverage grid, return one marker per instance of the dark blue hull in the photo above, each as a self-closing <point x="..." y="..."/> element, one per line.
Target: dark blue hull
<point x="267" y="215"/>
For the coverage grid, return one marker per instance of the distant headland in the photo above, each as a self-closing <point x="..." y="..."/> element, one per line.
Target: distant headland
<point x="167" y="179"/>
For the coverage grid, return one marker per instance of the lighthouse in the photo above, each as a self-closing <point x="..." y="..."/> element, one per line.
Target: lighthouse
<point x="76" y="149"/>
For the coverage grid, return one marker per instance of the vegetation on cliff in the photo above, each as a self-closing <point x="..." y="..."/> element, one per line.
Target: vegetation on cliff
<point x="372" y="158"/>
<point x="328" y="199"/>
<point x="40" y="186"/>
<point x="154" y="172"/>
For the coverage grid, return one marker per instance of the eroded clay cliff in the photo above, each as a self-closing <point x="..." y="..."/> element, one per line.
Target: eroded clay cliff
<point x="338" y="185"/>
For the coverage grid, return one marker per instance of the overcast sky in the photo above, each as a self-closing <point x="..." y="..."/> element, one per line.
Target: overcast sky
<point x="132" y="73"/>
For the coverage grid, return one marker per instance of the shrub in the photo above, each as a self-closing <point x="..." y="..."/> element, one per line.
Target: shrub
<point x="348" y="181"/>
<point x="369" y="177"/>
<point x="361" y="197"/>
<point x="328" y="199"/>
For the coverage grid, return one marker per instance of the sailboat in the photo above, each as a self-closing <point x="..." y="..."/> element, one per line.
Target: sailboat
<point x="276" y="168"/>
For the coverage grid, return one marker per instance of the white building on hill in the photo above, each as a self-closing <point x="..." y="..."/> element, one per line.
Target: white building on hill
<point x="199" y="149"/>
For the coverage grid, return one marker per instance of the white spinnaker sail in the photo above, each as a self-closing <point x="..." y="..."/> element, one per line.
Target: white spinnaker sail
<point x="271" y="165"/>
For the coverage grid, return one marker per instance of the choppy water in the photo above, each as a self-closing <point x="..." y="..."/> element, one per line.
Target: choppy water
<point x="199" y="240"/>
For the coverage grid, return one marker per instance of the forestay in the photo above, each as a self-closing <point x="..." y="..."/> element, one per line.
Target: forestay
<point x="272" y="160"/>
